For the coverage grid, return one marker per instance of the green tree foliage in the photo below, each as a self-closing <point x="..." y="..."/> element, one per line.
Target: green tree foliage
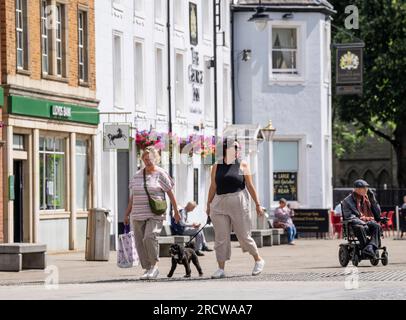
<point x="382" y="108"/>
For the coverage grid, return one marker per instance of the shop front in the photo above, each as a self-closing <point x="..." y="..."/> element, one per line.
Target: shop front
<point x="49" y="172"/>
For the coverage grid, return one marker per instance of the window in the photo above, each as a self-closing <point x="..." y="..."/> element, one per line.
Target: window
<point x="180" y="83"/>
<point x="52" y="173"/>
<point x="286" y="168"/>
<point x="44" y="37"/>
<point x="284" y="51"/>
<point x="139" y="76"/>
<point x="228" y="113"/>
<point x="82" y="46"/>
<point x="178" y="13"/>
<point x="159" y="80"/>
<point x="158" y="10"/>
<point x="139" y="5"/>
<point x="208" y="103"/>
<point x="21" y="35"/>
<point x="207" y="22"/>
<point x="53" y="38"/>
<point x="225" y="21"/>
<point x="59" y="40"/>
<point x="82" y="175"/>
<point x="18" y="142"/>
<point x="117" y="71"/>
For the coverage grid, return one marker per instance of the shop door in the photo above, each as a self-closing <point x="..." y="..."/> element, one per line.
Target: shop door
<point x="18" y="201"/>
<point x="123" y="173"/>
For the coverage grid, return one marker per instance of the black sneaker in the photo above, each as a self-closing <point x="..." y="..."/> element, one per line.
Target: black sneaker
<point x="207" y="249"/>
<point x="369" y="251"/>
<point x="199" y="253"/>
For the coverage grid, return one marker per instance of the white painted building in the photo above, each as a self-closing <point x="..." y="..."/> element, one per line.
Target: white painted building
<point x="135" y="66"/>
<point x="287" y="80"/>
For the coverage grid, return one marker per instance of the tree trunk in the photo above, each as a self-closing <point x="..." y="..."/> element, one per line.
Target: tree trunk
<point x="400" y="149"/>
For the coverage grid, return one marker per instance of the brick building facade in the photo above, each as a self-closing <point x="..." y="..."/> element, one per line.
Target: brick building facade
<point x="49" y="119"/>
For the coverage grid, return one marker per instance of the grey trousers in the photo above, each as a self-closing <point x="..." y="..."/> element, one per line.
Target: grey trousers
<point x="231" y="212"/>
<point x="146" y="234"/>
<point x="200" y="239"/>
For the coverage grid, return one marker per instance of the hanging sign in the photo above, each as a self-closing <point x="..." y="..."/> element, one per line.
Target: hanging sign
<point x="349" y="70"/>
<point x="116" y="136"/>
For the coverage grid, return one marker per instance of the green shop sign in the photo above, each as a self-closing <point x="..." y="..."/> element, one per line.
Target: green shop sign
<point x="52" y="110"/>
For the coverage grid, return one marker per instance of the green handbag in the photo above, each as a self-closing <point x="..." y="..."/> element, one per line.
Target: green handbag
<point x="158" y="207"/>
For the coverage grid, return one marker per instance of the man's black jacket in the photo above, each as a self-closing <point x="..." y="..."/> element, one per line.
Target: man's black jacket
<point x="350" y="211"/>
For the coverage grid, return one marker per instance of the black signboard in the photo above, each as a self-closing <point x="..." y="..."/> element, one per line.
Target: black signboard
<point x="285" y="186"/>
<point x="193" y="30"/>
<point x="402" y="220"/>
<point x="312" y="220"/>
<point x="349" y="68"/>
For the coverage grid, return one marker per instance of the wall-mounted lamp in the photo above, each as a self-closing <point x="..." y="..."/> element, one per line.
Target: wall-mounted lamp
<point x="260" y="18"/>
<point x="288" y="16"/>
<point x="210" y="63"/>
<point x="246" y="55"/>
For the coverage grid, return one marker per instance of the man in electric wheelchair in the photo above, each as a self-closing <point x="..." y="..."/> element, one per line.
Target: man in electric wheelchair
<point x="361" y="218"/>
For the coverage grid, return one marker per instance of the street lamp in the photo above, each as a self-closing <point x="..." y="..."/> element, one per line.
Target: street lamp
<point x="268" y="132"/>
<point x="260" y="18"/>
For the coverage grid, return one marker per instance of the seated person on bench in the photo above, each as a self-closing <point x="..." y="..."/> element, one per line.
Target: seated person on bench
<point x="185" y="228"/>
<point x="364" y="213"/>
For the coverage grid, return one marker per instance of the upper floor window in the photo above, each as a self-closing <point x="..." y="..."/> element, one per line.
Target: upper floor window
<point x="139" y="6"/>
<point x="21" y="34"/>
<point x="178" y="13"/>
<point x="158" y="5"/>
<point x="53" y="38"/>
<point x="287" y="52"/>
<point x="82" y="46"/>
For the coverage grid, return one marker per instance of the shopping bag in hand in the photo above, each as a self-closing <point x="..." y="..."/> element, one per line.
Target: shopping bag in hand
<point x="127" y="256"/>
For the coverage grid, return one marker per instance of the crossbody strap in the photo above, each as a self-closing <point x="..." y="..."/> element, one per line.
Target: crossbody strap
<point x="145" y="186"/>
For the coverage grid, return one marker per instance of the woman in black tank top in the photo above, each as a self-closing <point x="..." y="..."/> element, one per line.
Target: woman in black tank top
<point x="228" y="207"/>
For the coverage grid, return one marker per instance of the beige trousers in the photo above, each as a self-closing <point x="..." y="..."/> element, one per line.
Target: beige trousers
<point x="146" y="242"/>
<point x="230" y="212"/>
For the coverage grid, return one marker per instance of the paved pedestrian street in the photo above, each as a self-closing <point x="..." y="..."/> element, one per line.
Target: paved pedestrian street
<point x="309" y="270"/>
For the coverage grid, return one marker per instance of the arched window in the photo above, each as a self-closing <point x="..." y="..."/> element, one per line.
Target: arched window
<point x="384" y="179"/>
<point x="352" y="177"/>
<point x="369" y="177"/>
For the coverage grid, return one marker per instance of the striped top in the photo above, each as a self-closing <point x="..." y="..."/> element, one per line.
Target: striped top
<point x="158" y="182"/>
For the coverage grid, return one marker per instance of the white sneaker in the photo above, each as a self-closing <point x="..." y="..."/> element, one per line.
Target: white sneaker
<point x="145" y="275"/>
<point x="219" y="274"/>
<point x="258" y="268"/>
<point x="153" y="273"/>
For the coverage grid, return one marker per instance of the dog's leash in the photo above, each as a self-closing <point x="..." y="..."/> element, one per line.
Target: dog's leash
<point x="197" y="233"/>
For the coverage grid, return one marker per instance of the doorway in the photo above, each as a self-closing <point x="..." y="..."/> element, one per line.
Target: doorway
<point x="18" y="201"/>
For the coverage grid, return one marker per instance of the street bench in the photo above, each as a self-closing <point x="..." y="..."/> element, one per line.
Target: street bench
<point x="165" y="243"/>
<point x="278" y="237"/>
<point x="22" y="256"/>
<point x="263" y="238"/>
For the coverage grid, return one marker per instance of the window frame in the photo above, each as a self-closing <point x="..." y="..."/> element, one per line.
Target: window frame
<point x="21" y="9"/>
<point x="42" y="154"/>
<point x="161" y="110"/>
<point x="181" y="112"/>
<point x="45" y="37"/>
<point x="285" y="78"/>
<point x="84" y="46"/>
<point x="119" y="105"/>
<point x="140" y="105"/>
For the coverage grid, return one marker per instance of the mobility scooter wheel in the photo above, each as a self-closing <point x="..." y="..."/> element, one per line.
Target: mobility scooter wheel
<point x="355" y="260"/>
<point x="344" y="256"/>
<point x="385" y="258"/>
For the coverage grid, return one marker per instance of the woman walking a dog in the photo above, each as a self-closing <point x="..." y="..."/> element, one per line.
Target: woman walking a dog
<point x="146" y="224"/>
<point x="228" y="207"/>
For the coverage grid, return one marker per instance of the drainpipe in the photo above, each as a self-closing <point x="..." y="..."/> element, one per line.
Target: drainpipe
<point x="215" y="68"/>
<point x="232" y="65"/>
<point x="168" y="25"/>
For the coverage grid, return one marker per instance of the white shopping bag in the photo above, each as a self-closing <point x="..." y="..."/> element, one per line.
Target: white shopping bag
<point x="127" y="256"/>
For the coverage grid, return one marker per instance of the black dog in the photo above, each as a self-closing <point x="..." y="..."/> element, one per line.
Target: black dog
<point x="184" y="256"/>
